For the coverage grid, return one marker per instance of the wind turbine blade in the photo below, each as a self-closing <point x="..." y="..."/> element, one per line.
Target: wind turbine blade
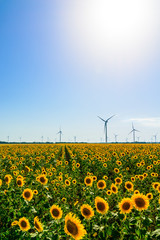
<point x="101" y="119"/>
<point x="130" y="132"/>
<point x="136" y="130"/>
<point x="110" y="118"/>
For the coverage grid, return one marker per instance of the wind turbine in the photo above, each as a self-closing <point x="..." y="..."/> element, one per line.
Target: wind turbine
<point x="155" y="137"/>
<point x="115" y="135"/>
<point x="60" y="133"/>
<point x="133" y="130"/>
<point x="105" y="125"/>
<point x="138" y="139"/>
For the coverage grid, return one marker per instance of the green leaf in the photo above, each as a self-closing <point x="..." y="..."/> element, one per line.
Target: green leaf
<point x="33" y="234"/>
<point x="156" y="233"/>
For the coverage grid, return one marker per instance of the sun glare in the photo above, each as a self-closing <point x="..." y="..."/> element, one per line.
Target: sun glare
<point x="113" y="33"/>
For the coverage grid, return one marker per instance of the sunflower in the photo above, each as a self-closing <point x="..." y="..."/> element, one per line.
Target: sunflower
<point x="14" y="223"/>
<point x="63" y="199"/>
<point x="42" y="179"/>
<point x="60" y="178"/>
<point x="27" y="169"/>
<point x="88" y="181"/>
<point x="125" y="205"/>
<point x="7" y="179"/>
<point x="116" y="170"/>
<point x="38" y="224"/>
<point x="56" y="212"/>
<point x="20" y="182"/>
<point x="141" y="177"/>
<point x="136" y="192"/>
<point x="158" y="188"/>
<point x="94" y="178"/>
<point x="140" y="201"/>
<point x="20" y="176"/>
<point x="67" y="182"/>
<point x="74" y="181"/>
<point x="87" y="211"/>
<point x="114" y="188"/>
<point x="78" y="165"/>
<point x="101" y="184"/>
<point x="145" y="175"/>
<point x="155" y="185"/>
<point x="24" y="224"/>
<point x="105" y="177"/>
<point x="118" y="181"/>
<point x="73" y="227"/>
<point x="109" y="192"/>
<point x="129" y="186"/>
<point x="149" y="196"/>
<point x="35" y="192"/>
<point x="133" y="179"/>
<point x="27" y="194"/>
<point x="0" y="182"/>
<point x="101" y="205"/>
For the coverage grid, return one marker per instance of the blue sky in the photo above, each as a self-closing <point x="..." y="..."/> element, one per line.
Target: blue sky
<point x="61" y="65"/>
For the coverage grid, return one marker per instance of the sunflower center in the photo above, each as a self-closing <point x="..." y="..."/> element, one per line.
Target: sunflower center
<point x="88" y="180"/>
<point x="6" y="179"/>
<point x="42" y="179"/>
<point x="100" y="206"/>
<point x="129" y="186"/>
<point x="86" y="211"/>
<point x="118" y="180"/>
<point x="27" y="194"/>
<point x="126" y="206"/>
<point x="72" y="228"/>
<point x="101" y="184"/>
<point x="23" y="224"/>
<point x="19" y="182"/>
<point x="113" y="189"/>
<point x="140" y="202"/>
<point x="55" y="212"/>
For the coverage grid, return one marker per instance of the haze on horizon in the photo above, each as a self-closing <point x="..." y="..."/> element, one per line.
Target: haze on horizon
<point x="63" y="63"/>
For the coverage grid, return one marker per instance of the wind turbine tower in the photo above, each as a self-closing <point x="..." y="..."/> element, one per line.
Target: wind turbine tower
<point x="115" y="135"/>
<point x="133" y="130"/>
<point x="60" y="133"/>
<point x="155" y="137"/>
<point x="105" y="126"/>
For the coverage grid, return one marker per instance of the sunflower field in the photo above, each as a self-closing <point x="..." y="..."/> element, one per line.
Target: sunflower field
<point x="80" y="191"/>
